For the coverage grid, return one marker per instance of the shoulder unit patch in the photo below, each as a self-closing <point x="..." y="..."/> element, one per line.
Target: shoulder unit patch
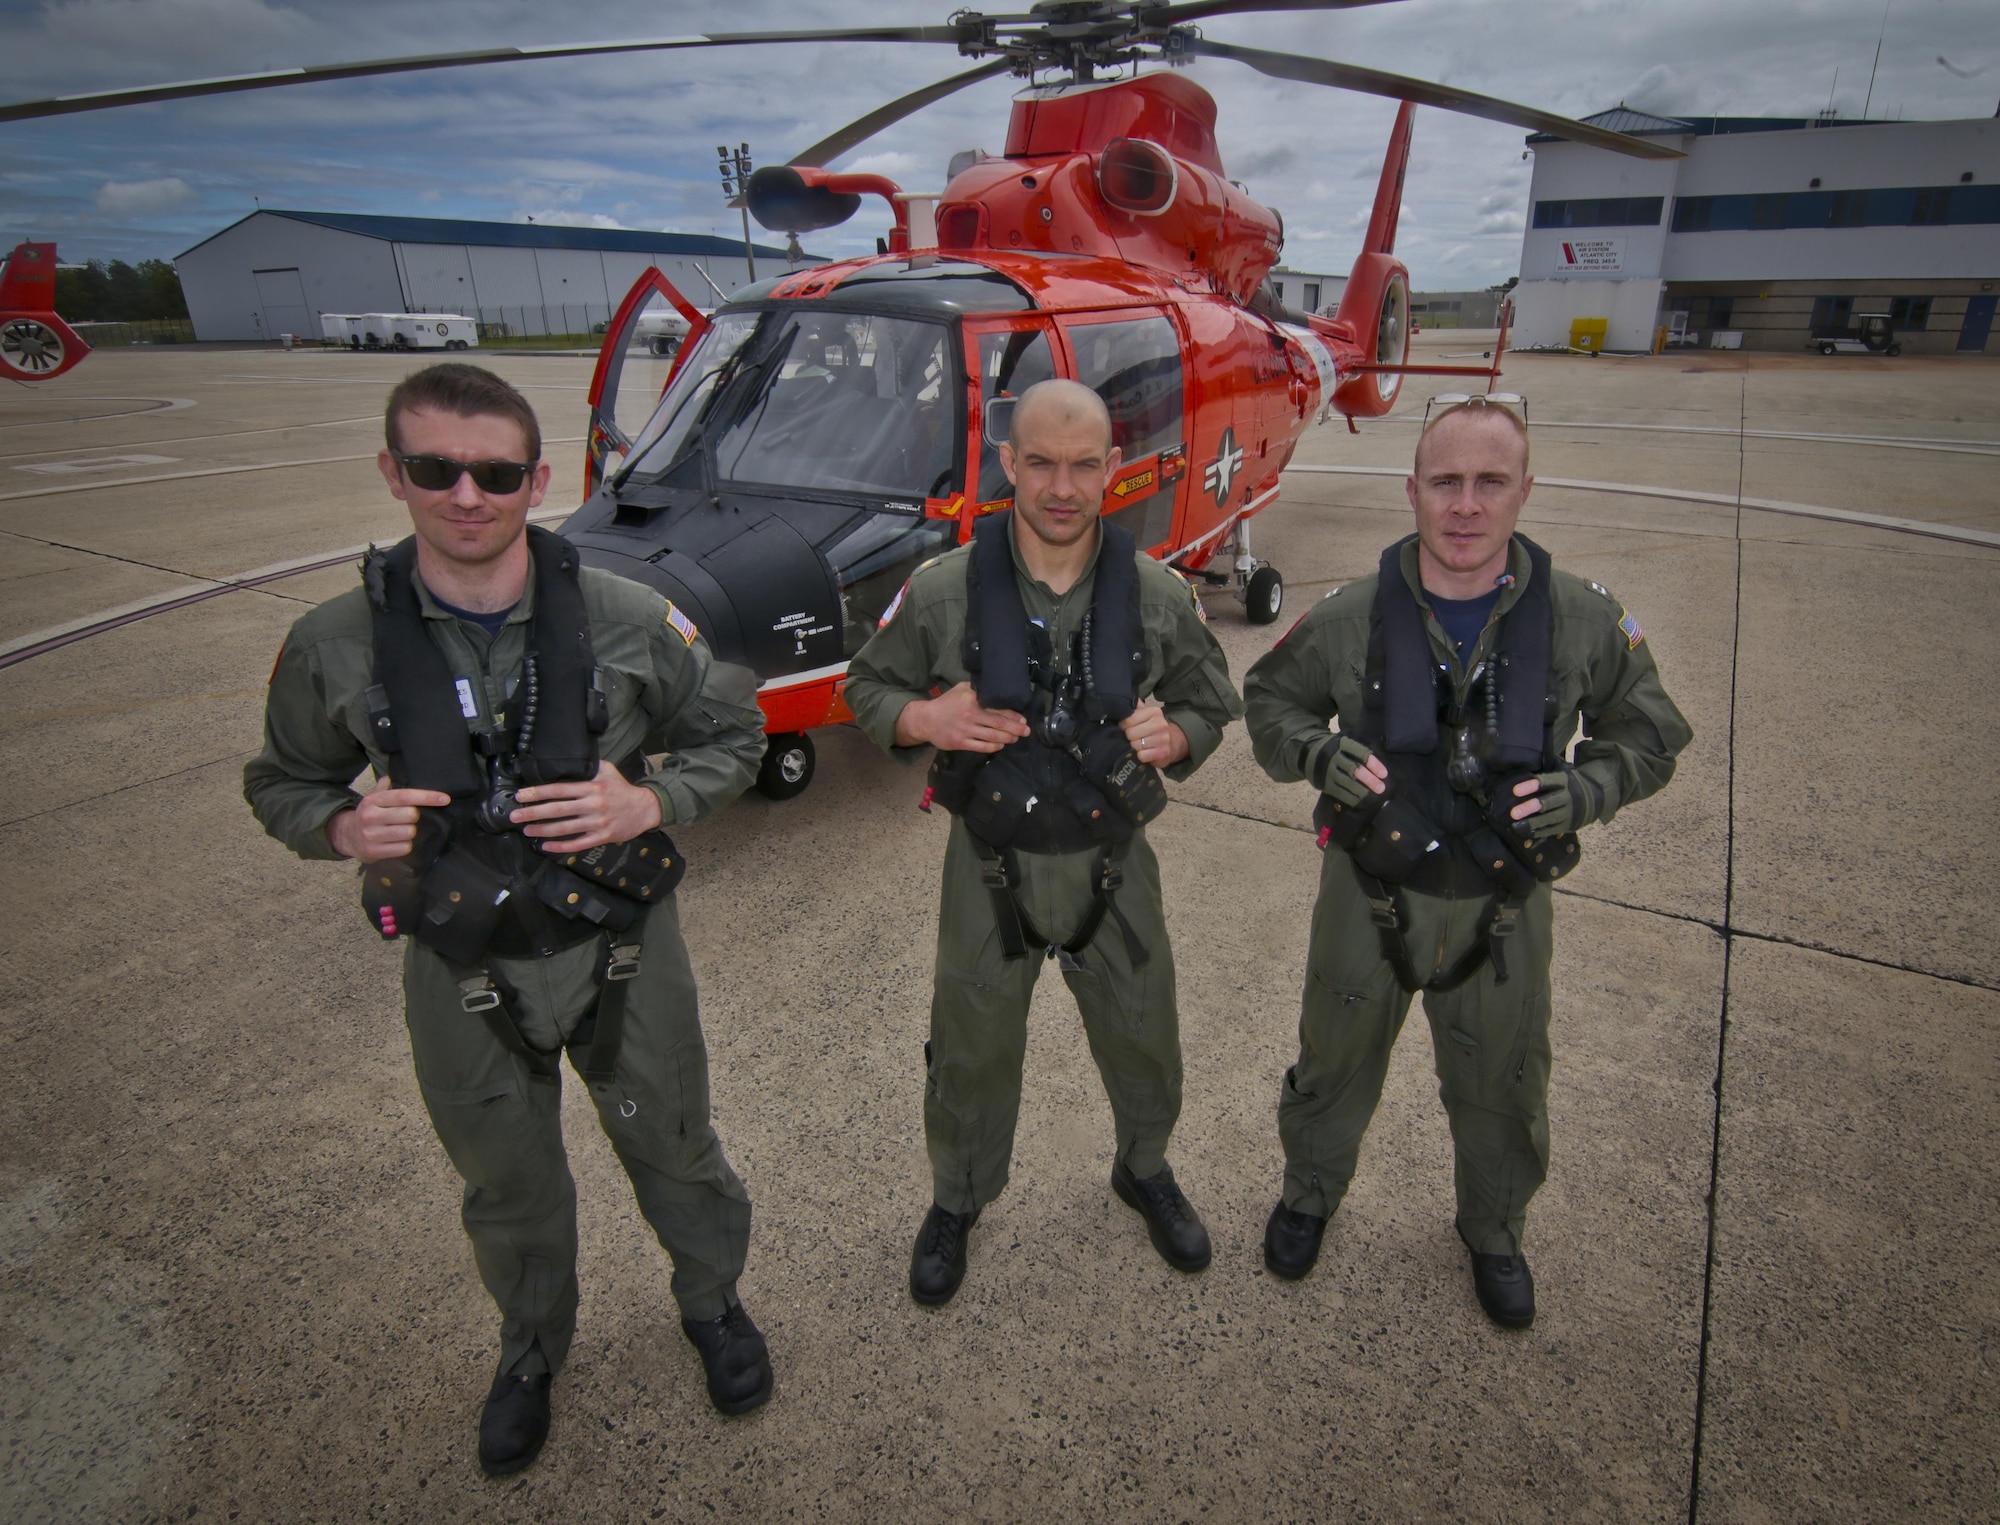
<point x="896" y="603"/>
<point x="683" y="626"/>
<point x="1633" y="634"/>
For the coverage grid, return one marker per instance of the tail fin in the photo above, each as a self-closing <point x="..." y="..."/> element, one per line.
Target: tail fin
<point x="1389" y="193"/>
<point x="30" y="282"/>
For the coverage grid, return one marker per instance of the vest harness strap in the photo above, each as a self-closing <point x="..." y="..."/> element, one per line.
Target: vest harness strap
<point x="474" y="887"/>
<point x="1426" y="799"/>
<point x="1073" y="782"/>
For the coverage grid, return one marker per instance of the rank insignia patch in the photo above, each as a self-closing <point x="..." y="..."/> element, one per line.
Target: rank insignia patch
<point x="683" y="626"/>
<point x="1633" y="634"/>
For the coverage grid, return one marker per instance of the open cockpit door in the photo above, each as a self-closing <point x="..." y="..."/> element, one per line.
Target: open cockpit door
<point x="643" y="344"/>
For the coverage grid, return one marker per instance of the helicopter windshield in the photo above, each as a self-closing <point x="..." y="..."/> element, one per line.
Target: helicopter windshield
<point x="683" y="403"/>
<point x="833" y="401"/>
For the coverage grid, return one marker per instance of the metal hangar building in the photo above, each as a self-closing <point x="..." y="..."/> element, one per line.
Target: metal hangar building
<point x="274" y="273"/>
<point x="1771" y="232"/>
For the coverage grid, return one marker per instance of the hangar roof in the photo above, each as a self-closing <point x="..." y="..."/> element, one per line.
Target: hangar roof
<point x="1622" y="118"/>
<point x="516" y="235"/>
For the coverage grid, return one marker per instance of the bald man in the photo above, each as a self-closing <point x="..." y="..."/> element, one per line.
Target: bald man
<point x="1058" y="672"/>
<point x="1448" y="802"/>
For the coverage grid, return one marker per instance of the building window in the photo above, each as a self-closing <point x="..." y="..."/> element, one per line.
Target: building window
<point x="1831" y="317"/>
<point x="1601" y="212"/>
<point x="1279" y="287"/>
<point x="1893" y="207"/>
<point x="1910" y="314"/>
<point x="1312" y="296"/>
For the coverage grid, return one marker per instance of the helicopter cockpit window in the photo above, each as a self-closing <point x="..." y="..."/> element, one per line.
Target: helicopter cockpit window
<point x="1009" y="363"/>
<point x="1136" y="368"/>
<point x="845" y="402"/>
<point x="874" y="560"/>
<point x="688" y="397"/>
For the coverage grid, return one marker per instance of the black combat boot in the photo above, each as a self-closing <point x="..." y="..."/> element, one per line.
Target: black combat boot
<point x="513" y="1424"/>
<point x="736" y="1360"/>
<point x="1291" y="1241"/>
<point x="1174" y="1226"/>
<point x="937" y="1264"/>
<point x="1506" y="1289"/>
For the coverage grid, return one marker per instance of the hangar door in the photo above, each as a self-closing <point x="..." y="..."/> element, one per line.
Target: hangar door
<point x="282" y="295"/>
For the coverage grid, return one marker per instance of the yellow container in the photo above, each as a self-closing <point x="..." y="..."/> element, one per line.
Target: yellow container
<point x="1588" y="333"/>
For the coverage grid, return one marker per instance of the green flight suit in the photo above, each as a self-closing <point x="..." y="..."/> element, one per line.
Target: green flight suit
<point x="979" y="1003"/>
<point x="497" y="1112"/>
<point x="1490" y="1040"/>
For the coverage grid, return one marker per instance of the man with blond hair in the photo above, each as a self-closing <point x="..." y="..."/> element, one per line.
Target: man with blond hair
<point x="1449" y="801"/>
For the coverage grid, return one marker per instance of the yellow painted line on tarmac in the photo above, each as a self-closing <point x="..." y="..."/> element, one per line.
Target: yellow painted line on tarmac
<point x="212" y="471"/>
<point x="1928" y="527"/>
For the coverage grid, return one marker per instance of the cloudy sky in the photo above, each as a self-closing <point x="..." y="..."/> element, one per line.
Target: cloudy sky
<point x="630" y="141"/>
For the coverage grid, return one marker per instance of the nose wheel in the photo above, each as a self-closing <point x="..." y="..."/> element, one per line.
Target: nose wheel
<point x="1263" y="595"/>
<point x="788" y="765"/>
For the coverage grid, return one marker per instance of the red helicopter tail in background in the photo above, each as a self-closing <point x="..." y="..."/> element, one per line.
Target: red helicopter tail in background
<point x="1377" y="301"/>
<point x="35" y="344"/>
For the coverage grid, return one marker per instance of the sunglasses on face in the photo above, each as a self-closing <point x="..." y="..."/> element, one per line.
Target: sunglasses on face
<point x="440" y="473"/>
<point x="1444" y="402"/>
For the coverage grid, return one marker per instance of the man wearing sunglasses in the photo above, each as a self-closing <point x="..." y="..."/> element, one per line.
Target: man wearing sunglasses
<point x="507" y="701"/>
<point x="1449" y="801"/>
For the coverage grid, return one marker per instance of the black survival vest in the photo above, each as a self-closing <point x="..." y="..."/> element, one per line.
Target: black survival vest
<point x="474" y="887"/>
<point x="1440" y="829"/>
<point x="1073" y="782"/>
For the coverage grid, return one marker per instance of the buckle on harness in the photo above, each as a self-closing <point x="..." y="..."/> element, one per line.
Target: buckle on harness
<point x="624" y="962"/>
<point x="993" y="873"/>
<point x="1504" y="921"/>
<point x="1383" y="914"/>
<point x="478" y="994"/>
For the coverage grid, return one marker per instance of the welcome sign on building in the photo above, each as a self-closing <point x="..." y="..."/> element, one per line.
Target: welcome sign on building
<point x="1590" y="256"/>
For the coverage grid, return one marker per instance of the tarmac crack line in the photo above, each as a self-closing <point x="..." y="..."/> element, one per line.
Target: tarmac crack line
<point x="1686" y="918"/>
<point x="1728" y="959"/>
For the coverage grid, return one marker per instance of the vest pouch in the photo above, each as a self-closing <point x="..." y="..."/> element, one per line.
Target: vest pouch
<point x="1345" y="825"/>
<point x="1397" y="841"/>
<point x="395" y="886"/>
<point x="645" y="869"/>
<point x="463" y="901"/>
<point x="1106" y="824"/>
<point x="951" y="778"/>
<point x="1108" y="761"/>
<point x="1500" y="861"/>
<point x="577" y="899"/>
<point x="999" y="801"/>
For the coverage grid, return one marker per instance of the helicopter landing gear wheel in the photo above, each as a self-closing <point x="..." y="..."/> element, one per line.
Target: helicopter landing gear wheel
<point x="1263" y="595"/>
<point x="29" y="348"/>
<point x="788" y="765"/>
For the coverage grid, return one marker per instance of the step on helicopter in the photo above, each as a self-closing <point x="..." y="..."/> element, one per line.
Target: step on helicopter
<point x="822" y="433"/>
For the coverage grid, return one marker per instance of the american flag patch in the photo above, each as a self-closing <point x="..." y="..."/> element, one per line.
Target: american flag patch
<point x="894" y="604"/>
<point x="683" y="626"/>
<point x="1633" y="634"/>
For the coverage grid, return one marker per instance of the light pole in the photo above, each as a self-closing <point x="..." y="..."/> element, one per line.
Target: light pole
<point x="736" y="183"/>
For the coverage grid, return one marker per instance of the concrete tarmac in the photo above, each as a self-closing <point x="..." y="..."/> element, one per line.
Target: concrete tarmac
<point x="233" y="1286"/>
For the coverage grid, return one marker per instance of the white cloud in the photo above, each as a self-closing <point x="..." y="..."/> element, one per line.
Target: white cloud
<point x="143" y="198"/>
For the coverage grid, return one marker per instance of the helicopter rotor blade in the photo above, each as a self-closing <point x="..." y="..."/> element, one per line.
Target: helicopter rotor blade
<point x="1202" y="10"/>
<point x="100" y="100"/>
<point x="863" y="128"/>
<point x="1322" y="71"/>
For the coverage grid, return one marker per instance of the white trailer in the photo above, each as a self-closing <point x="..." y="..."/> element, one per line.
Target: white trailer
<point x="661" y="330"/>
<point x="338" y="328"/>
<point x="417" y="330"/>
